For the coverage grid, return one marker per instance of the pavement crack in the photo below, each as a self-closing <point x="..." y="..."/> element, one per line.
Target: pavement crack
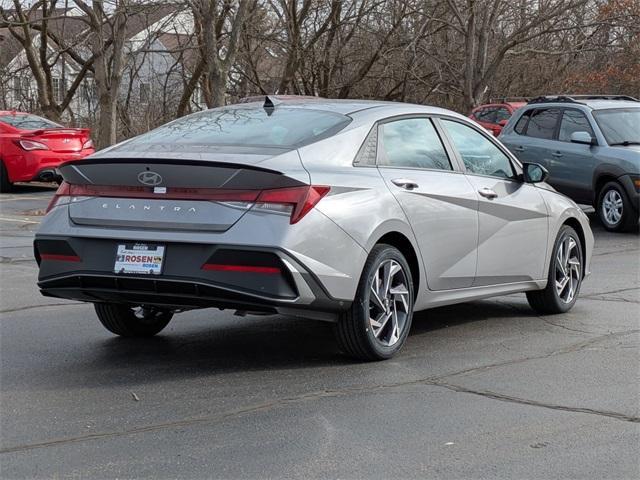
<point x="13" y="260"/>
<point x="595" y="294"/>
<point x="576" y="347"/>
<point x="611" y="299"/>
<point x="540" y="317"/>
<point x="310" y="396"/>
<point x="45" y="305"/>
<point x="549" y="322"/>
<point x="613" y="252"/>
<point x="523" y="401"/>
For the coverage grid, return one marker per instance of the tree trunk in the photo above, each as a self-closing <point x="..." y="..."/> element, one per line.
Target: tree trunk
<point x="107" y="120"/>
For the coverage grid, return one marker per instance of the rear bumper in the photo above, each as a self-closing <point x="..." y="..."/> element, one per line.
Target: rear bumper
<point x="83" y="269"/>
<point x="29" y="166"/>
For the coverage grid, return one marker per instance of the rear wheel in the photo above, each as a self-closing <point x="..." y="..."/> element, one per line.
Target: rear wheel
<point x="5" y="184"/>
<point x="132" y="321"/>
<point x="378" y="322"/>
<point x="615" y="210"/>
<point x="565" y="276"/>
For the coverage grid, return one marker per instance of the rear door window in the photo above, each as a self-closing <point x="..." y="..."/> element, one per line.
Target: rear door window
<point x="573" y="121"/>
<point x="543" y="122"/>
<point x="413" y="143"/>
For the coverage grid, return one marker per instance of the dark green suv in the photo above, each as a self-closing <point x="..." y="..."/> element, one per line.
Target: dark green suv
<point x="591" y="146"/>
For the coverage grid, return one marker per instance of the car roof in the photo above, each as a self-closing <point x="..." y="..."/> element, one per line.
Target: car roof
<point x="593" y="102"/>
<point x="342" y="106"/>
<point x="587" y="104"/>
<point x="606" y="104"/>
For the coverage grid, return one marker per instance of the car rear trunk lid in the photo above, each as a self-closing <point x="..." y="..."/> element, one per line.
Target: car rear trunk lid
<point x="172" y="194"/>
<point x="61" y="140"/>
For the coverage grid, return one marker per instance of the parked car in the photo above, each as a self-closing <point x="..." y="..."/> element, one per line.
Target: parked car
<point x="32" y="147"/>
<point x="591" y="146"/>
<point x="494" y="116"/>
<point x="353" y="212"/>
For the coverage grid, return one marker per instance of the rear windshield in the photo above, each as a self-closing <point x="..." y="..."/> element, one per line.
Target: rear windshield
<point x="28" y="122"/>
<point x="252" y="127"/>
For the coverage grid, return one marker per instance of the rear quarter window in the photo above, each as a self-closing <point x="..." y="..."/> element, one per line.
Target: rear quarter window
<point x="521" y="124"/>
<point x="28" y="122"/>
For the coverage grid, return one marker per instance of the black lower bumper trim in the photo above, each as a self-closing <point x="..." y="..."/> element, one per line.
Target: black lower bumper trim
<point x="167" y="292"/>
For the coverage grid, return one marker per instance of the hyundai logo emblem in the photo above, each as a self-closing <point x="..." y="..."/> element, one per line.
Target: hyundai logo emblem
<point x="150" y="178"/>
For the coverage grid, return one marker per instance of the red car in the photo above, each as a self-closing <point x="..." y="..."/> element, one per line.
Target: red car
<point x="494" y="116"/>
<point x="31" y="148"/>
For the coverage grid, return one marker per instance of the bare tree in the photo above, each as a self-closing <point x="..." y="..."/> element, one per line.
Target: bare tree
<point x="218" y="26"/>
<point x="39" y="29"/>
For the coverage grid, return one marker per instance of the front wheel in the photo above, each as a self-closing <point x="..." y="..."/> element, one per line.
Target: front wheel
<point x="132" y="322"/>
<point x="566" y="272"/>
<point x="615" y="210"/>
<point x="378" y="322"/>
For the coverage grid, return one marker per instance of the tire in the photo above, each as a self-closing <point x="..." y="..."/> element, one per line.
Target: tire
<point x="129" y="322"/>
<point x="615" y="210"/>
<point x="357" y="335"/>
<point x="551" y="300"/>
<point x="5" y="185"/>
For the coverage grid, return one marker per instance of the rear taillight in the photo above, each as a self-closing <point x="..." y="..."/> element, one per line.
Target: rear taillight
<point x="68" y="194"/>
<point x="30" y="145"/>
<point x="296" y="201"/>
<point x="87" y="144"/>
<point x="61" y="196"/>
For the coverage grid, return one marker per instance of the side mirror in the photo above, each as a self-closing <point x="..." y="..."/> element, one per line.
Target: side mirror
<point x="502" y="123"/>
<point x="583" y="138"/>
<point x="534" y="173"/>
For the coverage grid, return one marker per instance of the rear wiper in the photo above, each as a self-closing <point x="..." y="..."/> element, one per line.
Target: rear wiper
<point x="626" y="143"/>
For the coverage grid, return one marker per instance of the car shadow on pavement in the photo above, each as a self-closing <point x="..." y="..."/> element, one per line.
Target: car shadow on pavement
<point x="252" y="344"/>
<point x="38" y="187"/>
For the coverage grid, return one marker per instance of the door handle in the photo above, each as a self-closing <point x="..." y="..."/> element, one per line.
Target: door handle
<point x="557" y="154"/>
<point x="519" y="149"/>
<point x="487" y="193"/>
<point x="405" y="183"/>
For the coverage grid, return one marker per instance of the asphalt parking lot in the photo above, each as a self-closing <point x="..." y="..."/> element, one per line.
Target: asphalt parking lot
<point x="481" y="390"/>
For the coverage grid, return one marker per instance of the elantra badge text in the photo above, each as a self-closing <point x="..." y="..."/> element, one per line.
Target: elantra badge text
<point x="161" y="208"/>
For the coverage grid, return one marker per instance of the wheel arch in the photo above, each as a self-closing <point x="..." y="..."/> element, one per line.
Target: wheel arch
<point x="575" y="224"/>
<point x="603" y="174"/>
<point x="404" y="245"/>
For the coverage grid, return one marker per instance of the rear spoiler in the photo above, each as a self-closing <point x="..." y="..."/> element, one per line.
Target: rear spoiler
<point x="97" y="160"/>
<point x="44" y="131"/>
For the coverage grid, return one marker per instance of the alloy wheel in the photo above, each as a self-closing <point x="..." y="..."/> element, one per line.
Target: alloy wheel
<point x="389" y="302"/>
<point x="568" y="269"/>
<point x="612" y="207"/>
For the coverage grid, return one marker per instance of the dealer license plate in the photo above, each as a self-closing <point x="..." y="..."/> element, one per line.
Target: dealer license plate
<point x="139" y="258"/>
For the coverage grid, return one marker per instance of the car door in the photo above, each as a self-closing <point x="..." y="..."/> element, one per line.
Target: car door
<point x="571" y="164"/>
<point x="534" y="139"/>
<point x="437" y="199"/>
<point x="512" y="215"/>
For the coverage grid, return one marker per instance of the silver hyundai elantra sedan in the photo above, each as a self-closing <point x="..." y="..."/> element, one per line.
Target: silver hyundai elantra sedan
<point x="354" y="212"/>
